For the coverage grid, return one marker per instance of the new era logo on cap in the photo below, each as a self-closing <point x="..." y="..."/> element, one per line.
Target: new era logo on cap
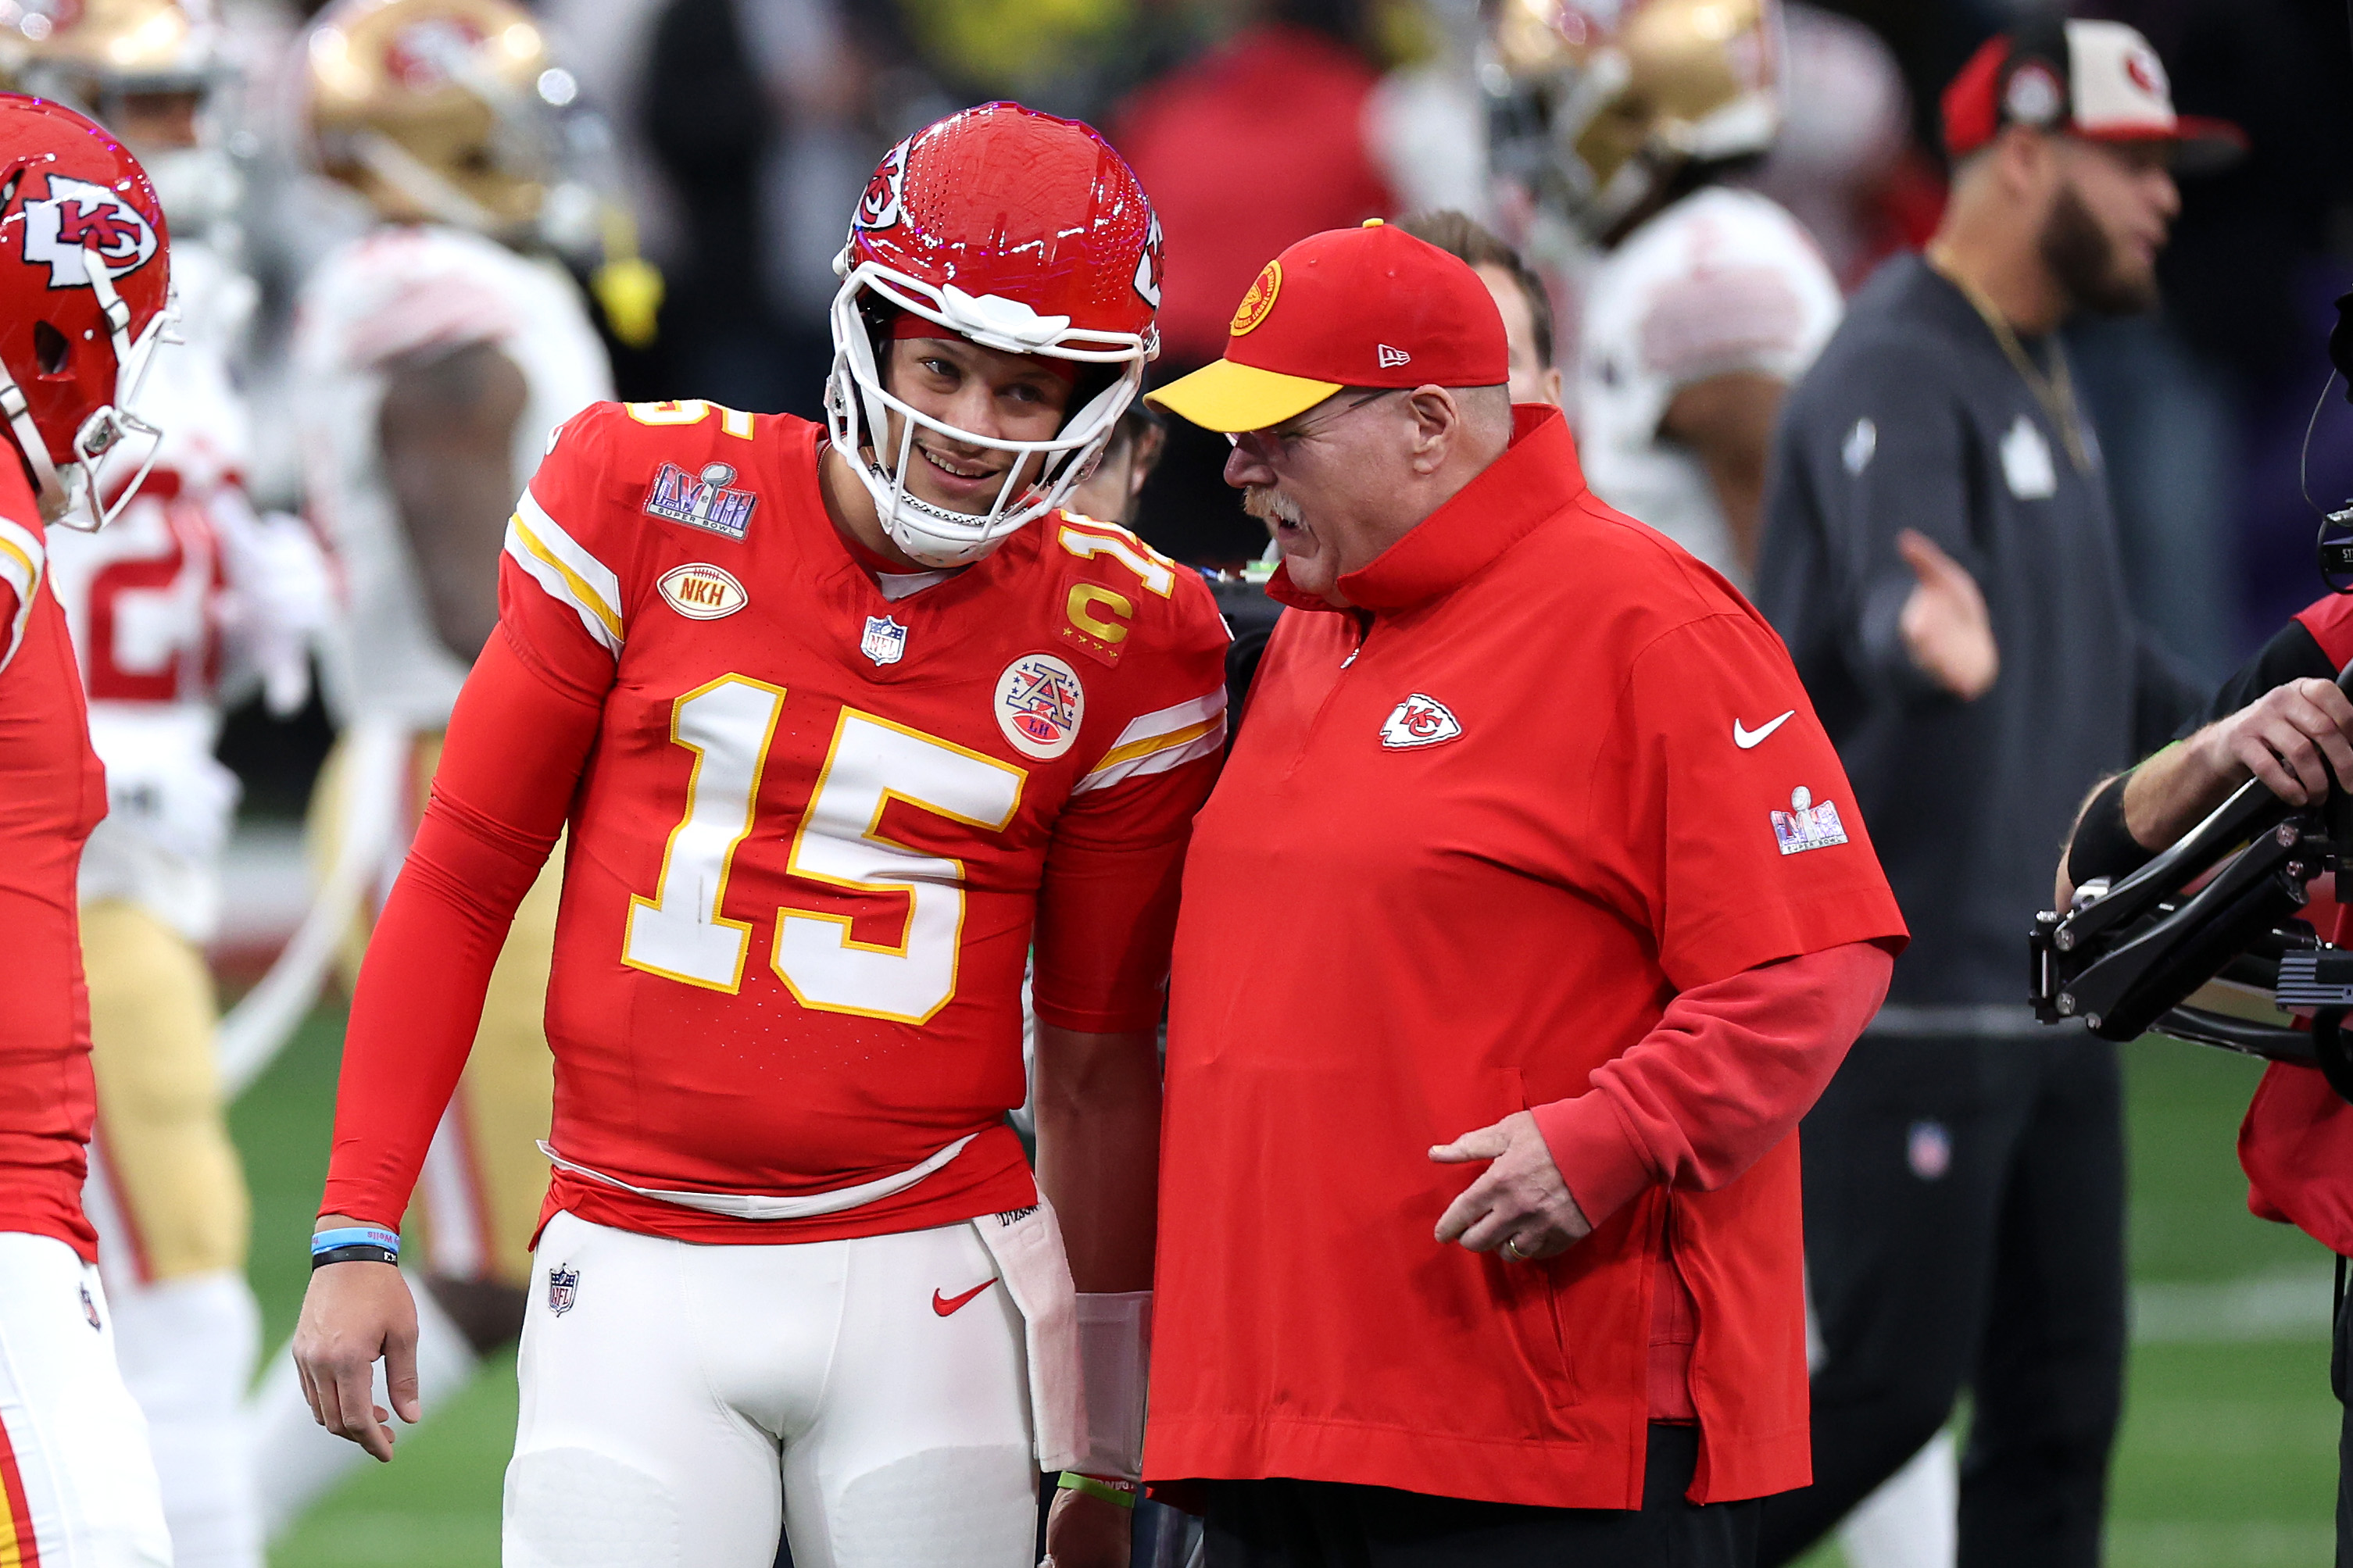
<point x="1391" y="358"/>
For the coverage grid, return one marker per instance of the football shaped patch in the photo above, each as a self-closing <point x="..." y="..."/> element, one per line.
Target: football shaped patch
<point x="1039" y="705"/>
<point x="702" y="592"/>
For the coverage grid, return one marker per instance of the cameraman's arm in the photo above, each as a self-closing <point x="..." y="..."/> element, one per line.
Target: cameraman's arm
<point x="2274" y="720"/>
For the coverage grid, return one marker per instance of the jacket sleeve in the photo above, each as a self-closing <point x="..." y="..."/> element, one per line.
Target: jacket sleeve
<point x="1725" y="1074"/>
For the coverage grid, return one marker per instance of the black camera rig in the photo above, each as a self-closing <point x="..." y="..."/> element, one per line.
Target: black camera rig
<point x="2203" y="944"/>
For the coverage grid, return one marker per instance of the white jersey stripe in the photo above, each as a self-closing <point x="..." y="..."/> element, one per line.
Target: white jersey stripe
<point x="21" y="559"/>
<point x="569" y="574"/>
<point x="1154" y="743"/>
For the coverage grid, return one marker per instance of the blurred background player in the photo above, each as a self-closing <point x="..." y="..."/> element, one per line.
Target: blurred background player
<point x="84" y="285"/>
<point x="1704" y="301"/>
<point x="434" y="358"/>
<point x="184" y="598"/>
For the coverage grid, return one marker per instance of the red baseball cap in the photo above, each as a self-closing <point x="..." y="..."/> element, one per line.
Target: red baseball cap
<point x="2101" y="80"/>
<point x="1349" y="307"/>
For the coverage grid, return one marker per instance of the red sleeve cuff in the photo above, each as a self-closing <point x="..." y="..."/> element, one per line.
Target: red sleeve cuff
<point x="1604" y="1167"/>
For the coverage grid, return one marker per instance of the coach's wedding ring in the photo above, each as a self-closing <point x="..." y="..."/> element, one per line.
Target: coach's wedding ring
<point x="1512" y="1245"/>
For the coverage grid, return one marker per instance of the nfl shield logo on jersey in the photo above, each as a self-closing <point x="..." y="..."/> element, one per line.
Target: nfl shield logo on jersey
<point x="1039" y="704"/>
<point x="1806" y="825"/>
<point x="701" y="501"/>
<point x="885" y="641"/>
<point x="563" y="1289"/>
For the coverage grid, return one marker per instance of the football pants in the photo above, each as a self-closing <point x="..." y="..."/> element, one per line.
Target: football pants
<point x="674" y="1397"/>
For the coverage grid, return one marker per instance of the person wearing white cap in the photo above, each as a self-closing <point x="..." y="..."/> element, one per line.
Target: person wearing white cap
<point x="1939" y="556"/>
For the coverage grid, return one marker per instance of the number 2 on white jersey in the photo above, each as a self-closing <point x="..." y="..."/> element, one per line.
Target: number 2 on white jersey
<point x="680" y="933"/>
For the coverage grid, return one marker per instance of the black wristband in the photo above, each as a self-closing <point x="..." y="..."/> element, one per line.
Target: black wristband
<point x="2102" y="846"/>
<point x="357" y="1253"/>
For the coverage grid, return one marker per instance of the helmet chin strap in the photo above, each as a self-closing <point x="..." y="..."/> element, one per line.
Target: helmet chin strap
<point x="51" y="490"/>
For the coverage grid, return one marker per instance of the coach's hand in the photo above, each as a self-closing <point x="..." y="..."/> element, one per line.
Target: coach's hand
<point x="1520" y="1198"/>
<point x="353" y="1313"/>
<point x="1944" y="623"/>
<point x="1084" y="1532"/>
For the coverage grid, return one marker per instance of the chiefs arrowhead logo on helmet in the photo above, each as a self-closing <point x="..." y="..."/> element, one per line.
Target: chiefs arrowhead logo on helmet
<point x="1147" y="266"/>
<point x="880" y="207"/>
<point x="77" y="216"/>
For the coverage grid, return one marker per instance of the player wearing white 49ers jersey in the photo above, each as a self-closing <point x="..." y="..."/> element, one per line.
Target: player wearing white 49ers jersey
<point x="185" y="596"/>
<point x="841" y="722"/>
<point x="432" y="358"/>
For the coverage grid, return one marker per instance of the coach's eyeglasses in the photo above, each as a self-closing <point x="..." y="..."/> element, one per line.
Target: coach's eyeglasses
<point x="1269" y="446"/>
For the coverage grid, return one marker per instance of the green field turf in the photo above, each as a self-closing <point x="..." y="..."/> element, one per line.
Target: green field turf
<point x="2227" y="1461"/>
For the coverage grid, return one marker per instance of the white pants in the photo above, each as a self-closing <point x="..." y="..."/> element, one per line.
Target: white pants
<point x="683" y="1396"/>
<point x="68" y="1429"/>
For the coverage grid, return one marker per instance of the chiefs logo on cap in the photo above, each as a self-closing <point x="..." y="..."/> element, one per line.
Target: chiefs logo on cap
<point x="1258" y="301"/>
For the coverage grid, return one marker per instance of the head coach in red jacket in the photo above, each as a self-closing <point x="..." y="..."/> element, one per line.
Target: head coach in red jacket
<point x="1532" y="911"/>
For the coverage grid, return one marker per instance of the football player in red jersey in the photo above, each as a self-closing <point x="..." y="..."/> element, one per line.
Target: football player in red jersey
<point x="84" y="298"/>
<point x="844" y="722"/>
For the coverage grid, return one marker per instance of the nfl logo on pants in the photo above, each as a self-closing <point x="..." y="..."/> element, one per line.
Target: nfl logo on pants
<point x="563" y="1289"/>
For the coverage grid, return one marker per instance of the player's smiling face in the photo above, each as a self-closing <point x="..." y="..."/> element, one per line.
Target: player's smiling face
<point x="1001" y="396"/>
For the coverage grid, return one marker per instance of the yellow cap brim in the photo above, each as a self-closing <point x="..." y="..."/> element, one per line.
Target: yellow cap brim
<point x="1223" y="395"/>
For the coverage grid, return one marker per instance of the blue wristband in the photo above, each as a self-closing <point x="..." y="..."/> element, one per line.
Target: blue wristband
<point x="356" y="1235"/>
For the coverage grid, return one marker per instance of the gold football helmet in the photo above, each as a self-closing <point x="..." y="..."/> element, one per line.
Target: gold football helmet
<point x="1598" y="104"/>
<point x="81" y="52"/>
<point x="439" y="110"/>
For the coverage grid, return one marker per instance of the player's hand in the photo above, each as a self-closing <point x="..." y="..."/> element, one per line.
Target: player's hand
<point x="1519" y="1198"/>
<point x="353" y="1313"/>
<point x="2281" y="738"/>
<point x="1084" y="1532"/>
<point x="1945" y="625"/>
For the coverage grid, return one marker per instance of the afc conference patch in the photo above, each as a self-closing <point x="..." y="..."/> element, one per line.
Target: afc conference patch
<point x="563" y="1289"/>
<point x="1040" y="703"/>
<point x="1806" y="825"/>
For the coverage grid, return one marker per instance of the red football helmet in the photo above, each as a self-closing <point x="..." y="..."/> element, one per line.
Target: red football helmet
<point x="1025" y="233"/>
<point x="85" y="298"/>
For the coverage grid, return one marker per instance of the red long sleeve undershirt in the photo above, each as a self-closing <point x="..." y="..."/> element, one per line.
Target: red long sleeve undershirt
<point x="1724" y="1076"/>
<point x="516" y="744"/>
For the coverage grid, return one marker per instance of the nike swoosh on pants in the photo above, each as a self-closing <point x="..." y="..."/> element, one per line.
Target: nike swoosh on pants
<point x="945" y="1305"/>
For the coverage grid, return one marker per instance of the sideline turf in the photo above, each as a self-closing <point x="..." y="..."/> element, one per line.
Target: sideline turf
<point x="2227" y="1459"/>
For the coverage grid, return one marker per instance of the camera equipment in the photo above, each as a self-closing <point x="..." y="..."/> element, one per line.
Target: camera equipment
<point x="2203" y="944"/>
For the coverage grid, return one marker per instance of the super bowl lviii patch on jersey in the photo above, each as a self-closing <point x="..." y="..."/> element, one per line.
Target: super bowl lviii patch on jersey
<point x="1806" y="825"/>
<point x="701" y="501"/>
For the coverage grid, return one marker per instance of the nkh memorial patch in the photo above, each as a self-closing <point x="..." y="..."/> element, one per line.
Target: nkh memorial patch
<point x="701" y="501"/>
<point x="1806" y="825"/>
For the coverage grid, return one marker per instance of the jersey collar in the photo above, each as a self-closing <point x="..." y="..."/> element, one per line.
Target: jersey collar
<point x="1537" y="476"/>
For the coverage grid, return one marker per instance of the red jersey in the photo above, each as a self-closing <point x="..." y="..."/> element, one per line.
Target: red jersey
<point x="812" y="835"/>
<point x="52" y="792"/>
<point x="1472" y="840"/>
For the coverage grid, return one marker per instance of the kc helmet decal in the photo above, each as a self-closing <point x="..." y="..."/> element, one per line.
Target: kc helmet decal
<point x="1147" y="266"/>
<point x="77" y="215"/>
<point x="880" y="206"/>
